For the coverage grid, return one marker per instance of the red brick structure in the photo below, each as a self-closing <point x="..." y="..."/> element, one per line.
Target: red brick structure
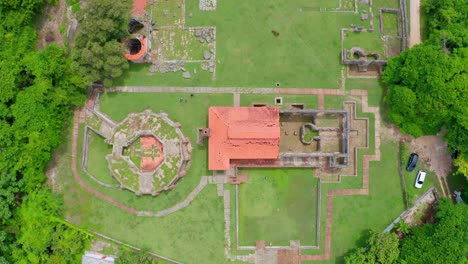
<point x="138" y="8"/>
<point x="242" y="133"/>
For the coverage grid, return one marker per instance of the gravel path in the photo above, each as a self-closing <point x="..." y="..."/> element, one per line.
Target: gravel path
<point x="240" y="90"/>
<point x="415" y="27"/>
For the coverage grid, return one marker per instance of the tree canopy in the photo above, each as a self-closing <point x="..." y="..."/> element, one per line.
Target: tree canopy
<point x="427" y="85"/>
<point x="446" y="241"/>
<point x="447" y="22"/>
<point x="380" y="248"/>
<point x="98" y="52"/>
<point x="38" y="90"/>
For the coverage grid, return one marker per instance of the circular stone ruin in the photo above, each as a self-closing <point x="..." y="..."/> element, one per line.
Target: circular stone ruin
<point x="149" y="153"/>
<point x="133" y="46"/>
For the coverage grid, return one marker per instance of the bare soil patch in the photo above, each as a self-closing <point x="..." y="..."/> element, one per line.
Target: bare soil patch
<point x="372" y="71"/>
<point x="415" y="27"/>
<point x="433" y="151"/>
<point x="49" y="30"/>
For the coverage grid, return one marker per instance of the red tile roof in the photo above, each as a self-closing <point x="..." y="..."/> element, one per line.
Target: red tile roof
<point x="139" y="8"/>
<point x="242" y="133"/>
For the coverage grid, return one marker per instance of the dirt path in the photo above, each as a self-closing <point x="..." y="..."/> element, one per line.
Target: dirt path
<point x="415" y="19"/>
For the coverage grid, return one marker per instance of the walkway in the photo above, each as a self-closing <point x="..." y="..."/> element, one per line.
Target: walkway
<point x="188" y="200"/>
<point x="77" y="117"/>
<point x="365" y="181"/>
<point x="415" y="20"/>
<point x="234" y="90"/>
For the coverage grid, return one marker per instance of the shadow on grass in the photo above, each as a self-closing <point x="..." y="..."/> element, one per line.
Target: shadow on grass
<point x="360" y="243"/>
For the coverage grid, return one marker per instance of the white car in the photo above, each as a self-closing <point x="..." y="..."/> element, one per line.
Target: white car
<point x="420" y="179"/>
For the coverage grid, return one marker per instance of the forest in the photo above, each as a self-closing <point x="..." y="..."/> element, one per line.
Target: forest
<point x="39" y="90"/>
<point x="427" y="85"/>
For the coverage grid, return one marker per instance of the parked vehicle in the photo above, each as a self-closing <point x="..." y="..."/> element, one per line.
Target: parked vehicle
<point x="420" y="179"/>
<point x="412" y="161"/>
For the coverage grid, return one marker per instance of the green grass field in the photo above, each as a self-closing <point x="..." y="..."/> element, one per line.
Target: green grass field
<point x="278" y="205"/>
<point x="305" y="54"/>
<point x="273" y="204"/>
<point x="97" y="163"/>
<point x="192" y="235"/>
<point x="191" y="115"/>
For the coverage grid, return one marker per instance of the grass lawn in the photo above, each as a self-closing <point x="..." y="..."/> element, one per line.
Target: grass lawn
<point x="191" y="115"/>
<point x="278" y="205"/>
<point x="390" y="21"/>
<point x="305" y="54"/>
<point x="198" y="237"/>
<point x="192" y="235"/>
<point x="370" y="42"/>
<point x="166" y="13"/>
<point x="354" y="216"/>
<point x="97" y="163"/>
<point x="374" y="87"/>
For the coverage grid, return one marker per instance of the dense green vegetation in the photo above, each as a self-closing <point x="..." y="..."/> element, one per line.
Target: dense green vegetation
<point x="37" y="92"/>
<point x="428" y="84"/>
<point x="98" y="53"/>
<point x="446" y="241"/>
<point x="442" y="242"/>
<point x="380" y="248"/>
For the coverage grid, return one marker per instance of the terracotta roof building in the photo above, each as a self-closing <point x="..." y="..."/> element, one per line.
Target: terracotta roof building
<point x="242" y="133"/>
<point x="138" y="8"/>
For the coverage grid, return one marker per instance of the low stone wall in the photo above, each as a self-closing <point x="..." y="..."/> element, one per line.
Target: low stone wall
<point x="430" y="195"/>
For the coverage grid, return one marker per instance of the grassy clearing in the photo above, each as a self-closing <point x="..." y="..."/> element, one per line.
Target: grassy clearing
<point x="192" y="235"/>
<point x="374" y="87"/>
<point x="166" y="13"/>
<point x="97" y="163"/>
<point x="191" y="115"/>
<point x="278" y="205"/>
<point x="333" y="102"/>
<point x="386" y="3"/>
<point x="249" y="55"/>
<point x="181" y="44"/>
<point x="370" y="42"/>
<point x="390" y="21"/>
<point x="353" y="216"/>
